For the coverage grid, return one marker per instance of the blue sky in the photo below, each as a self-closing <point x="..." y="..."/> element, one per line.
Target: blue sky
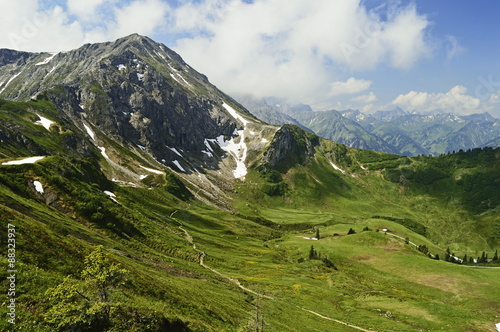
<point x="423" y="56"/>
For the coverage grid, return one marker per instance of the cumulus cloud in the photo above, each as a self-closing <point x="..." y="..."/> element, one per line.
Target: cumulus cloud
<point x="301" y="49"/>
<point x="351" y="86"/>
<point x="29" y="27"/>
<point x="456" y="100"/>
<point x="85" y="10"/>
<point x="140" y="16"/>
<point x="365" y="99"/>
<point x="283" y="48"/>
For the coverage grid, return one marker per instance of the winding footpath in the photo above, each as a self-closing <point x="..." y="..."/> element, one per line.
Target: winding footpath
<point x="201" y="257"/>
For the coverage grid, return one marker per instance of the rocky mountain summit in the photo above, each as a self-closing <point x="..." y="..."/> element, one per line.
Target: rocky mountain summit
<point x="138" y="94"/>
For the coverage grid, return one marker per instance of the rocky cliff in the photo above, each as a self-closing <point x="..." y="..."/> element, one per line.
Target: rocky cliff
<point x="138" y="94"/>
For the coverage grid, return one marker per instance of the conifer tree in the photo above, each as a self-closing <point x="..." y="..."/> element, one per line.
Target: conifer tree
<point x="483" y="258"/>
<point x="312" y="253"/>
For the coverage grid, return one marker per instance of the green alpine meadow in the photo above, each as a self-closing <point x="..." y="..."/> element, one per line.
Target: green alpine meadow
<point x="136" y="196"/>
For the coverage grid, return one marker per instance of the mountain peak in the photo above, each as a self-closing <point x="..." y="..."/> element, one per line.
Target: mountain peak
<point x="135" y="39"/>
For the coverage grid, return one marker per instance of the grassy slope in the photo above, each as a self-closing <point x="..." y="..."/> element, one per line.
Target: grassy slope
<point x="381" y="283"/>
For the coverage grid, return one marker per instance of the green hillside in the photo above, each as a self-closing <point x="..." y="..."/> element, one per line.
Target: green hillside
<point x="170" y="262"/>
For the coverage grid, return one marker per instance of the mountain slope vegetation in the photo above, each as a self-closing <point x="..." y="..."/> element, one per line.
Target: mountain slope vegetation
<point x="124" y="223"/>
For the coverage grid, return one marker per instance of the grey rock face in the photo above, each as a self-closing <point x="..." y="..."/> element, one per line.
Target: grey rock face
<point x="134" y="90"/>
<point x="290" y="146"/>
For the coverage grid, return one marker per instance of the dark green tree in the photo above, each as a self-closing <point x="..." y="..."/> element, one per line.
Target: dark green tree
<point x="312" y="253"/>
<point x="78" y="306"/>
<point x="351" y="231"/>
<point x="483" y="258"/>
<point x="495" y="257"/>
<point x="317" y="233"/>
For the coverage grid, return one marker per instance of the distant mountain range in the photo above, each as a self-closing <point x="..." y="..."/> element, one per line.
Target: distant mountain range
<point x="394" y="131"/>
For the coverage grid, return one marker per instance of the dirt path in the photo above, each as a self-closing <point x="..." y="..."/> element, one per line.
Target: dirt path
<point x="336" y="320"/>
<point x="201" y="258"/>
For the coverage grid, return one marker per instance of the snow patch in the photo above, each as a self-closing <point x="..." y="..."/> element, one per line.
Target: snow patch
<point x="141" y="147"/>
<point x="142" y="177"/>
<point x="111" y="195"/>
<point x="152" y="170"/>
<point x="44" y="122"/>
<point x="264" y="140"/>
<point x="182" y="78"/>
<point x="103" y="152"/>
<point x="173" y="76"/>
<point x="207" y="144"/>
<point x="498" y="327"/>
<point x="238" y="151"/>
<point x="175" y="70"/>
<point x="89" y="131"/>
<point x="38" y="186"/>
<point x="121" y="67"/>
<point x="235" y="114"/>
<point x="44" y="62"/>
<point x="252" y="132"/>
<point x="82" y="106"/>
<point x="362" y="167"/>
<point x="207" y="153"/>
<point x="175" y="151"/>
<point x="30" y="160"/>
<point x="8" y="82"/>
<point x="161" y="55"/>
<point x="140" y="76"/>
<point x="176" y="163"/>
<point x="337" y="168"/>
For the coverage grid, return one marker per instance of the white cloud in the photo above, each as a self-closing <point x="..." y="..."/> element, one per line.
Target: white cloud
<point x="404" y="36"/>
<point x="295" y="48"/>
<point x="140" y="16"/>
<point x="453" y="48"/>
<point x="85" y="10"/>
<point x="457" y="100"/>
<point x="28" y="27"/>
<point x="365" y="99"/>
<point x="292" y="49"/>
<point x="351" y="86"/>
